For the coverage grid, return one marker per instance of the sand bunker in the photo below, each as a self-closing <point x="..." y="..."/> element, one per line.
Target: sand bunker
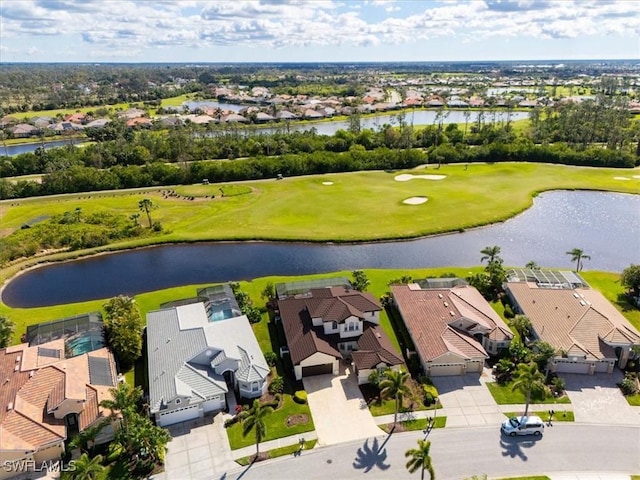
<point x="636" y="176"/>
<point x="415" y="200"/>
<point x="327" y="183"/>
<point x="407" y="176"/>
<point x="621" y="178"/>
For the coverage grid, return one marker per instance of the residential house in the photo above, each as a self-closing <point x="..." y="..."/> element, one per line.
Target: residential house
<point x="23" y="130"/>
<point x="375" y="352"/>
<point x="453" y="328"/>
<point x="46" y="397"/>
<point x="324" y="325"/>
<point x="197" y="355"/>
<point x="589" y="334"/>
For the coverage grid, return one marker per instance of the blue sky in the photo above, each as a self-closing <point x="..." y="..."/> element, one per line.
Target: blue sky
<point x="316" y="30"/>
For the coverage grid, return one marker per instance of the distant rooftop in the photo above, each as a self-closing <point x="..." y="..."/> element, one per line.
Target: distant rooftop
<point x="447" y="282"/>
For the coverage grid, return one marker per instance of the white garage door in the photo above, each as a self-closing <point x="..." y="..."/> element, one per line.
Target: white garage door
<point x="602" y="367"/>
<point x="572" y="367"/>
<point x="444" y="370"/>
<point x="475" y="366"/>
<point x="213" y="405"/>
<point x="179" y="415"/>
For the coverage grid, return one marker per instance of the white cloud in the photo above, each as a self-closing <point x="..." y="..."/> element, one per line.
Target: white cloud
<point x="132" y="26"/>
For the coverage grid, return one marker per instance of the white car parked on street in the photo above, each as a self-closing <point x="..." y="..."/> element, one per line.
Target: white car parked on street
<point x="530" y="425"/>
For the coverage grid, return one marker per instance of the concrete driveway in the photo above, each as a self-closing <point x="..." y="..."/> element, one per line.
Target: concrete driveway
<point x="197" y="449"/>
<point x="597" y="399"/>
<point x="339" y="411"/>
<point x="467" y="400"/>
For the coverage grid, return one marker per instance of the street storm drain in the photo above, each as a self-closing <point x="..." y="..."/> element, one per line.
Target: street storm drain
<point x="329" y="461"/>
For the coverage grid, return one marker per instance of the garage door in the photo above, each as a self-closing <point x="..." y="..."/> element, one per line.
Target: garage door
<point x="444" y="370"/>
<point x="317" y="370"/>
<point x="602" y="367"/>
<point x="179" y="415"/>
<point x="475" y="366"/>
<point x="572" y="367"/>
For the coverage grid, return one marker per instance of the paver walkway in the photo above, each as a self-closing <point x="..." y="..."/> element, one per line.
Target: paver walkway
<point x="339" y="411"/>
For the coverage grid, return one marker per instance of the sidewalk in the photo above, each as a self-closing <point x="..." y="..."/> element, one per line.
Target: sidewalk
<point x="271" y="444"/>
<point x="492" y="415"/>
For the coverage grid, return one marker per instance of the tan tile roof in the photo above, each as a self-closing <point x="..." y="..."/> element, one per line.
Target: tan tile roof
<point x="32" y="393"/>
<point x="375" y="347"/>
<point x="574" y="320"/>
<point x="430" y="313"/>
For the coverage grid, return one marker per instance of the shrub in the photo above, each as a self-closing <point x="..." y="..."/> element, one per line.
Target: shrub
<point x="508" y="313"/>
<point x="276" y="385"/>
<point x="300" y="397"/>
<point x="628" y="385"/>
<point x="430" y="393"/>
<point x="558" y="385"/>
<point x="271" y="358"/>
<point x="231" y="421"/>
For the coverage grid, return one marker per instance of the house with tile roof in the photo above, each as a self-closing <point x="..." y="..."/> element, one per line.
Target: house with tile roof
<point x="453" y="329"/>
<point x="589" y="334"/>
<point x="46" y="397"/>
<point x="324" y="325"/>
<point x="196" y="358"/>
<point x="375" y="352"/>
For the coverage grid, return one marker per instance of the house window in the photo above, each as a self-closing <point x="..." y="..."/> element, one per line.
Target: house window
<point x="334" y="325"/>
<point x="255" y="387"/>
<point x="352" y="326"/>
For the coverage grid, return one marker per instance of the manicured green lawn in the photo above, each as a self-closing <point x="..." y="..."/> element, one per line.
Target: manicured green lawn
<point x="302" y="208"/>
<point x="544" y="415"/>
<point x="538" y="477"/>
<point x="609" y="285"/>
<point x="633" y="400"/>
<point x="279" y="452"/>
<point x="418" y="424"/>
<point x="276" y="424"/>
<point x="503" y="395"/>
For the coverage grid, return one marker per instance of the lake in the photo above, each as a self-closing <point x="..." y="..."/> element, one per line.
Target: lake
<point x="417" y="117"/>
<point x="605" y="225"/>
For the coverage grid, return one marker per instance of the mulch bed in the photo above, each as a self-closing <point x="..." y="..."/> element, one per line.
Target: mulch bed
<point x="297" y="419"/>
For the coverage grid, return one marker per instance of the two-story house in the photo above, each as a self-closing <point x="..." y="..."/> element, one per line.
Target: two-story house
<point x="323" y="326"/>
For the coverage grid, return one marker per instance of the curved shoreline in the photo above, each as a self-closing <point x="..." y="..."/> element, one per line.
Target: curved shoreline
<point x="107" y="250"/>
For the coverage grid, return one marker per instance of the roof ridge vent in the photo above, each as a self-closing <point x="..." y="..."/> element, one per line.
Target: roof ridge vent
<point x="446" y="304"/>
<point x="9" y="406"/>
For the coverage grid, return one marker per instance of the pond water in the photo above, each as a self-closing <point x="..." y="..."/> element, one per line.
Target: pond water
<point x="417" y="117"/>
<point x="605" y="225"/>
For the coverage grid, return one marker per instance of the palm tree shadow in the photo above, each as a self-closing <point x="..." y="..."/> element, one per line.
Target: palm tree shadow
<point x="513" y="447"/>
<point x="374" y="456"/>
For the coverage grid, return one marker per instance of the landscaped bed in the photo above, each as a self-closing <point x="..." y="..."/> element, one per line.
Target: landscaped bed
<point x="386" y="406"/>
<point x="276" y="423"/>
<point x="558" y="416"/>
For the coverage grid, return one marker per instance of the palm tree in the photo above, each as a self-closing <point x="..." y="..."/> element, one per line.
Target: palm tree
<point x="85" y="440"/>
<point x="254" y="419"/>
<point x="532" y="265"/>
<point x="135" y="218"/>
<point x="146" y="205"/>
<point x="420" y="459"/>
<point x="86" y="468"/>
<point x="124" y="400"/>
<point x="577" y="255"/>
<point x="528" y="379"/>
<point x="394" y="385"/>
<point x="491" y="254"/>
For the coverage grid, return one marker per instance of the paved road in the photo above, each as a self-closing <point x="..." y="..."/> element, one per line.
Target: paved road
<point x="459" y="453"/>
